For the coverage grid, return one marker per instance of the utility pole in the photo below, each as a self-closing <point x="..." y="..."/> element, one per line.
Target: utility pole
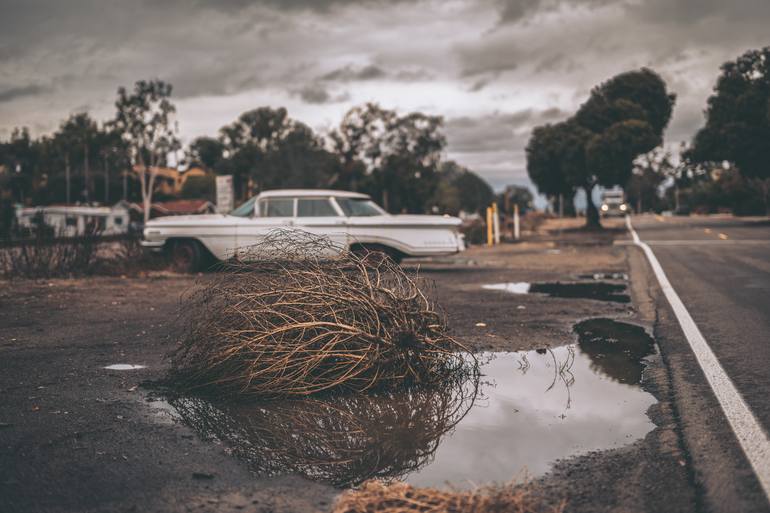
<point x="106" y="181"/>
<point x="86" y="172"/>
<point x="67" y="175"/>
<point x="516" y="232"/>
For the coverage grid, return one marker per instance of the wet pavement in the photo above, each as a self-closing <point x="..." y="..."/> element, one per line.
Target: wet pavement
<point x="527" y="410"/>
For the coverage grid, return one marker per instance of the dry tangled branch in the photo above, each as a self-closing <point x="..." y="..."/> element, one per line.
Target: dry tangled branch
<point x="341" y="440"/>
<point x="294" y="316"/>
<point x="374" y="496"/>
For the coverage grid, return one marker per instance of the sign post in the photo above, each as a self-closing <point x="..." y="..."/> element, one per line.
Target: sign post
<point x="225" y="196"/>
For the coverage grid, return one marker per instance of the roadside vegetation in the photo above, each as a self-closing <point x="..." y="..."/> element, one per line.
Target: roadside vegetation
<point x="45" y="255"/>
<point x="616" y="139"/>
<point x="397" y="158"/>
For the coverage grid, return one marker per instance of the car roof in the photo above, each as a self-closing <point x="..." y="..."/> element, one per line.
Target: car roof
<point x="278" y="193"/>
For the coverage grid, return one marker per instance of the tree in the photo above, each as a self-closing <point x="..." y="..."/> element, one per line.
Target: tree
<point x="623" y="118"/>
<point x="145" y="120"/>
<point x="737" y="125"/>
<point x="360" y="142"/>
<point x="556" y="160"/>
<point x="649" y="173"/>
<point x="206" y="152"/>
<point x="399" y="155"/>
<point x="626" y="116"/>
<point x="20" y="158"/>
<point x="514" y="195"/>
<point x="460" y="189"/>
<point x="77" y="140"/>
<point x="268" y="149"/>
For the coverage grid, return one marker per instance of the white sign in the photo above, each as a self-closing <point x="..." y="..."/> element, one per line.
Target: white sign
<point x="225" y="195"/>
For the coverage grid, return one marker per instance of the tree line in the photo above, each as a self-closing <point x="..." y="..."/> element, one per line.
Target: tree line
<point x="615" y="139"/>
<point x="395" y="158"/>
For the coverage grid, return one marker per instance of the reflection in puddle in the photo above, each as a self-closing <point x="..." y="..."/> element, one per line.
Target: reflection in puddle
<point x="531" y="408"/>
<point x="616" y="349"/>
<point x="594" y="290"/>
<point x="341" y="440"/>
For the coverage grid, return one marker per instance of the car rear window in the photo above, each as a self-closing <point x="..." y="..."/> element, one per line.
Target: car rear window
<point x="359" y="207"/>
<point x="315" y="207"/>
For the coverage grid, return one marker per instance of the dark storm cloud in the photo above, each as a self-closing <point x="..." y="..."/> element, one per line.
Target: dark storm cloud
<point x="321" y="6"/>
<point x="370" y="72"/>
<point x="686" y="12"/>
<point x="14" y="93"/>
<point x="313" y="93"/>
<point x="461" y="59"/>
<point x="351" y="74"/>
<point x="316" y="93"/>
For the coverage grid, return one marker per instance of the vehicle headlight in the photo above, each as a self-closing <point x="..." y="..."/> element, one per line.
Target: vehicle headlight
<point x="623" y="208"/>
<point x="605" y="208"/>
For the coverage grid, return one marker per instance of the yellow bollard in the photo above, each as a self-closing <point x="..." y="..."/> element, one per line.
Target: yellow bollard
<point x="490" y="236"/>
<point x="495" y="223"/>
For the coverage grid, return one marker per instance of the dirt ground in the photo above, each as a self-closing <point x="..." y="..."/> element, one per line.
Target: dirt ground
<point x="77" y="437"/>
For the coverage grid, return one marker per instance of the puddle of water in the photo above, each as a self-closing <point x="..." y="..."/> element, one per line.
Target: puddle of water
<point x="616" y="349"/>
<point x="531" y="408"/>
<point x="124" y="366"/>
<point x="340" y="440"/>
<point x="601" y="291"/>
<point x="521" y="287"/>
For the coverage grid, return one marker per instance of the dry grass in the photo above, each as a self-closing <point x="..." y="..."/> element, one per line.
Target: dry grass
<point x="46" y="256"/>
<point x="375" y="496"/>
<point x="292" y="319"/>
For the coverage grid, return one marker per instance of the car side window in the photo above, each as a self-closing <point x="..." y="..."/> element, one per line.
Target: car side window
<point x="276" y="207"/>
<point x="315" y="207"/>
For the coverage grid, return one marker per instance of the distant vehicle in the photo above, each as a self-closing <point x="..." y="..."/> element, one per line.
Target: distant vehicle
<point x="350" y="220"/>
<point x="614" y="203"/>
<point x="71" y="221"/>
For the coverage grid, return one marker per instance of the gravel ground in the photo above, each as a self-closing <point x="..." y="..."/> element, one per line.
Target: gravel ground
<point x="77" y="437"/>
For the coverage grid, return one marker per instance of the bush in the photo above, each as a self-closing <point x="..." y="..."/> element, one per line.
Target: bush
<point x="297" y="321"/>
<point x="46" y="256"/>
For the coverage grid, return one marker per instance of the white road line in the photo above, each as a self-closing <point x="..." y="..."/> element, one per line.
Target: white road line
<point x="748" y="431"/>
<point x="710" y="242"/>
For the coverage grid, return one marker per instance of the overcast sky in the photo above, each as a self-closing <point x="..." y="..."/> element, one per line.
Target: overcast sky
<point x="492" y="68"/>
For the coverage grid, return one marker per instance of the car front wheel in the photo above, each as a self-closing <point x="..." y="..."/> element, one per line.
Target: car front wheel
<point x="186" y="256"/>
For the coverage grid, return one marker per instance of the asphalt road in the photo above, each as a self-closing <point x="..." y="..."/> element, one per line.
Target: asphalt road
<point x="720" y="267"/>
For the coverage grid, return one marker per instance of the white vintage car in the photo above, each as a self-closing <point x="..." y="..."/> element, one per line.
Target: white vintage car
<point x="351" y="220"/>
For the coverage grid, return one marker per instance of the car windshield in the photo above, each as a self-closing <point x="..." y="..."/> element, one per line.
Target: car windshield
<point x="359" y="207"/>
<point x="246" y="209"/>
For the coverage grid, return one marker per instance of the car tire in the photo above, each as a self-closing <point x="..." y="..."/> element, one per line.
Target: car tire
<point x="186" y="256"/>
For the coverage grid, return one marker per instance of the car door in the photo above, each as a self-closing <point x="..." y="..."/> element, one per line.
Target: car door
<point x="270" y="214"/>
<point x="320" y="216"/>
